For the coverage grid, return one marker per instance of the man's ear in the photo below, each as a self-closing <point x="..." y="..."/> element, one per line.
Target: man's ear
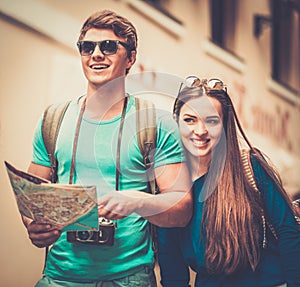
<point x="131" y="59"/>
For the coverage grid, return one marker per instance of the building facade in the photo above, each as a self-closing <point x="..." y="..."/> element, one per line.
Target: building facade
<point x="253" y="46"/>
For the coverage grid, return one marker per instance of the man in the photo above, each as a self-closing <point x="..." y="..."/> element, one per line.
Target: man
<point x="97" y="144"/>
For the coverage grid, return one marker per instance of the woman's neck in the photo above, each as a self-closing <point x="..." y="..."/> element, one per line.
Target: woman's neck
<point x="198" y="165"/>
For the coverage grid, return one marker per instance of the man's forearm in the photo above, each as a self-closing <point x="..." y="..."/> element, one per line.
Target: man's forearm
<point x="167" y="209"/>
<point x="171" y="209"/>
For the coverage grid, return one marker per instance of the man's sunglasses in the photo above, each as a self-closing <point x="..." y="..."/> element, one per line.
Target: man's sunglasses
<point x="193" y="82"/>
<point x="107" y="47"/>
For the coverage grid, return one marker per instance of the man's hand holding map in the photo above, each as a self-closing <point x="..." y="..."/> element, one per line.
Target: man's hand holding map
<point x="67" y="207"/>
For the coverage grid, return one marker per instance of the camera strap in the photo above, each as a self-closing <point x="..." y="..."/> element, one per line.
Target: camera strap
<point x="75" y="142"/>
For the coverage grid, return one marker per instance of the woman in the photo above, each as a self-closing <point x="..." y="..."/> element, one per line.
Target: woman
<point x="238" y="236"/>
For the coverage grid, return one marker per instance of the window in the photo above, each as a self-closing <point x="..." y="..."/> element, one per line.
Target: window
<point x="286" y="43"/>
<point x="163" y="7"/>
<point x="160" y="12"/>
<point x="223" y="23"/>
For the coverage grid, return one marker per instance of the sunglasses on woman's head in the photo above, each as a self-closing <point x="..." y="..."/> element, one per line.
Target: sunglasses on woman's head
<point x="107" y="47"/>
<point x="193" y="82"/>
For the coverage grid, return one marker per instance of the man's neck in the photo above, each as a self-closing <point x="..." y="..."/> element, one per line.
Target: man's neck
<point x="105" y="103"/>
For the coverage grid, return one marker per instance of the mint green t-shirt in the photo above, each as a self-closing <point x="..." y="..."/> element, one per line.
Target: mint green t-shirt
<point x="96" y="165"/>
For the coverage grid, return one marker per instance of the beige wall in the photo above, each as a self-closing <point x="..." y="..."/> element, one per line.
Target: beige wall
<point x="42" y="66"/>
<point x="25" y="88"/>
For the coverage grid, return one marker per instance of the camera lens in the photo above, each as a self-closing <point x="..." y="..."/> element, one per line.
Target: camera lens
<point x="84" y="235"/>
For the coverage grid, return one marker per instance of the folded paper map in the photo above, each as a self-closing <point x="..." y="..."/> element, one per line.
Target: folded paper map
<point x="67" y="207"/>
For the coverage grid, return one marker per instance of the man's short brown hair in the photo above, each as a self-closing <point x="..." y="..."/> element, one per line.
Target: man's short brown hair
<point x="107" y="19"/>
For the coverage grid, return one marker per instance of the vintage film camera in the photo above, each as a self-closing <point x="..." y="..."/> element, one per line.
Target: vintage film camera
<point x="103" y="236"/>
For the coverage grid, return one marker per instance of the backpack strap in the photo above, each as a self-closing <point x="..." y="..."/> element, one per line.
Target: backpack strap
<point x="146" y="134"/>
<point x="296" y="206"/>
<point x="245" y="156"/>
<point x="52" y="119"/>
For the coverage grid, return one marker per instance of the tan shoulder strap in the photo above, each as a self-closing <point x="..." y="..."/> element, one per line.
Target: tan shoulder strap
<point x="245" y="156"/>
<point x="146" y="134"/>
<point x="52" y="119"/>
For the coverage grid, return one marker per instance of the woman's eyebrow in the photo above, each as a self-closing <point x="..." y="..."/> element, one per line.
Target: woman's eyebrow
<point x="189" y="115"/>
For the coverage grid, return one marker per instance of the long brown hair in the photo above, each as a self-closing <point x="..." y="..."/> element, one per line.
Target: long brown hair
<point x="232" y="221"/>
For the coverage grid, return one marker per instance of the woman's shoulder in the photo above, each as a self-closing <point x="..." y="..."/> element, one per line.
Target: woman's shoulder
<point x="259" y="161"/>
